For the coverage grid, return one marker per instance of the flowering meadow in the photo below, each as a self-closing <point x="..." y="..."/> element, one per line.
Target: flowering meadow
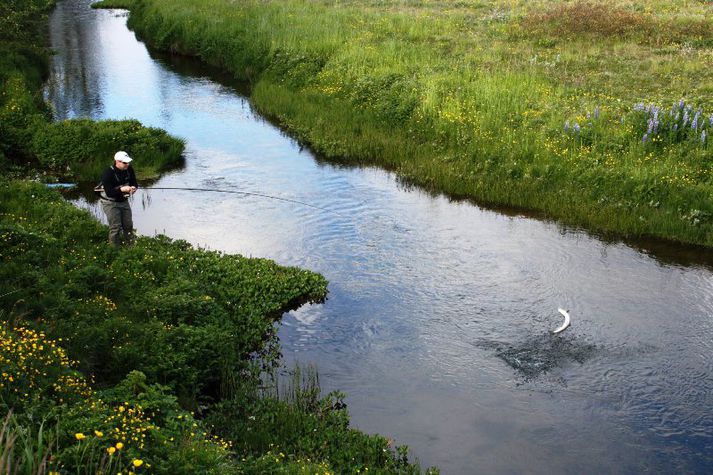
<point x="473" y="98"/>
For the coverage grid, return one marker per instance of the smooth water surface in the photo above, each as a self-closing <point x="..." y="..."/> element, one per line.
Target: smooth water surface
<point x="437" y="321"/>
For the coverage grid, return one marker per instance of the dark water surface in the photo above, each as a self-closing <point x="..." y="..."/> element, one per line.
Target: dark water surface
<point x="436" y="324"/>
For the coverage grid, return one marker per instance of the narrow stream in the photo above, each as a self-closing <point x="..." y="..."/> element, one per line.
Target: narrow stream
<point x="437" y="321"/>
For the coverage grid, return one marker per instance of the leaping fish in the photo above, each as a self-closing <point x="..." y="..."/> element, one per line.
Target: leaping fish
<point x="564" y="326"/>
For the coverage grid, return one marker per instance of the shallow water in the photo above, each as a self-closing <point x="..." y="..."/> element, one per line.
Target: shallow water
<point x="437" y="323"/>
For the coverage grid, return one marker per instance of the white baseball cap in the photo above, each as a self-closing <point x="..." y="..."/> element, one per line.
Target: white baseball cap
<point x="122" y="157"/>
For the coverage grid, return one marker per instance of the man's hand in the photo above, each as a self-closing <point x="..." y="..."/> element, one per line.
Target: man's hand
<point x="128" y="189"/>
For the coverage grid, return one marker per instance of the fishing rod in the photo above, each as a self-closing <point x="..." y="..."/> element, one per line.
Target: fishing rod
<point x="244" y="193"/>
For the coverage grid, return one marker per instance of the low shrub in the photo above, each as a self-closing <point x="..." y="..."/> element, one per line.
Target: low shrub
<point x="36" y="372"/>
<point x="85" y="431"/>
<point x="187" y="318"/>
<point x="23" y="21"/>
<point x="586" y="18"/>
<point x="82" y="148"/>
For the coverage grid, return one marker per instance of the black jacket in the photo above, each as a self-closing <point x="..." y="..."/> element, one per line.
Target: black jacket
<point x="113" y="179"/>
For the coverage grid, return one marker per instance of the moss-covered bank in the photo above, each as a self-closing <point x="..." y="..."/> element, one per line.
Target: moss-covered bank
<point x="595" y="113"/>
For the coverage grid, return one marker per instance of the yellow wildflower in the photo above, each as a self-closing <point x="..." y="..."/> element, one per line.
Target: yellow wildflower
<point x="79" y="436"/>
<point x="138" y="462"/>
<point x="99" y="433"/>
<point x="111" y="450"/>
<point x="119" y="446"/>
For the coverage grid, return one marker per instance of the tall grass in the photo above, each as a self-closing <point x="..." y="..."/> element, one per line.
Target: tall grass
<point x="471" y="98"/>
<point x="25" y="449"/>
<point x="289" y="415"/>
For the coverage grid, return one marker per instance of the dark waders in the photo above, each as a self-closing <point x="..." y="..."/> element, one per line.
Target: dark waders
<point x="118" y="213"/>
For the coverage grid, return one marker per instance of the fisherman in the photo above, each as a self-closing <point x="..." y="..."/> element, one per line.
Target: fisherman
<point x="118" y="183"/>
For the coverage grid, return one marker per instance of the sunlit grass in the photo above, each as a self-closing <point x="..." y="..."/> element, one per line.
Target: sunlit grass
<point x="472" y="97"/>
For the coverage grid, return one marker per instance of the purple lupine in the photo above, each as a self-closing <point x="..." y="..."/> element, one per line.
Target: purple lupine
<point x="577" y="128"/>
<point x="652" y="127"/>
<point x="656" y="120"/>
<point x="596" y="113"/>
<point x="710" y="122"/>
<point x="675" y="127"/>
<point x="645" y="138"/>
<point x="703" y="136"/>
<point x="639" y="106"/>
<point x="681" y="104"/>
<point x="695" y="119"/>
<point x="566" y="126"/>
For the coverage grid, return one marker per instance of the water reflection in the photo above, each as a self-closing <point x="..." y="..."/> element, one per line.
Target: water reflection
<point x="74" y="88"/>
<point x="427" y="294"/>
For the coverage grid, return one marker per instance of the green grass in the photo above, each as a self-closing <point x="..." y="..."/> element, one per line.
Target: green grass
<point x="113" y="4"/>
<point x="471" y="97"/>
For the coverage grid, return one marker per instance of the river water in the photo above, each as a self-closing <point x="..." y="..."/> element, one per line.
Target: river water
<point x="437" y="320"/>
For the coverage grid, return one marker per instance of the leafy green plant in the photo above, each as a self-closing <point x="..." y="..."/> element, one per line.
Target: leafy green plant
<point x="186" y="317"/>
<point x="83" y="148"/>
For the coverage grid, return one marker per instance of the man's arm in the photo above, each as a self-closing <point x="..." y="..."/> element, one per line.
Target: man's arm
<point x="132" y="178"/>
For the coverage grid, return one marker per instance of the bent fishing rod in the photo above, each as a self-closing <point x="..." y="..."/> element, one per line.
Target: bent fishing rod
<point x="244" y="193"/>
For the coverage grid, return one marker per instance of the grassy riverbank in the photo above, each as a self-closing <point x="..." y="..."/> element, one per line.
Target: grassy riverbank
<point x="149" y="359"/>
<point x="30" y="143"/>
<point x="595" y="113"/>
<point x="145" y="359"/>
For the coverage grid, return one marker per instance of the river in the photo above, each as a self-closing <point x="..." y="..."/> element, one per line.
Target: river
<point x="436" y="326"/>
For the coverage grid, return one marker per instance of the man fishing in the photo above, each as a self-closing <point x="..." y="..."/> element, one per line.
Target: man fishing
<point x="119" y="182"/>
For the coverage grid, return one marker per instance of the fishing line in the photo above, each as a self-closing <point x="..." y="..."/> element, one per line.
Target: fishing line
<point x="244" y="193"/>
